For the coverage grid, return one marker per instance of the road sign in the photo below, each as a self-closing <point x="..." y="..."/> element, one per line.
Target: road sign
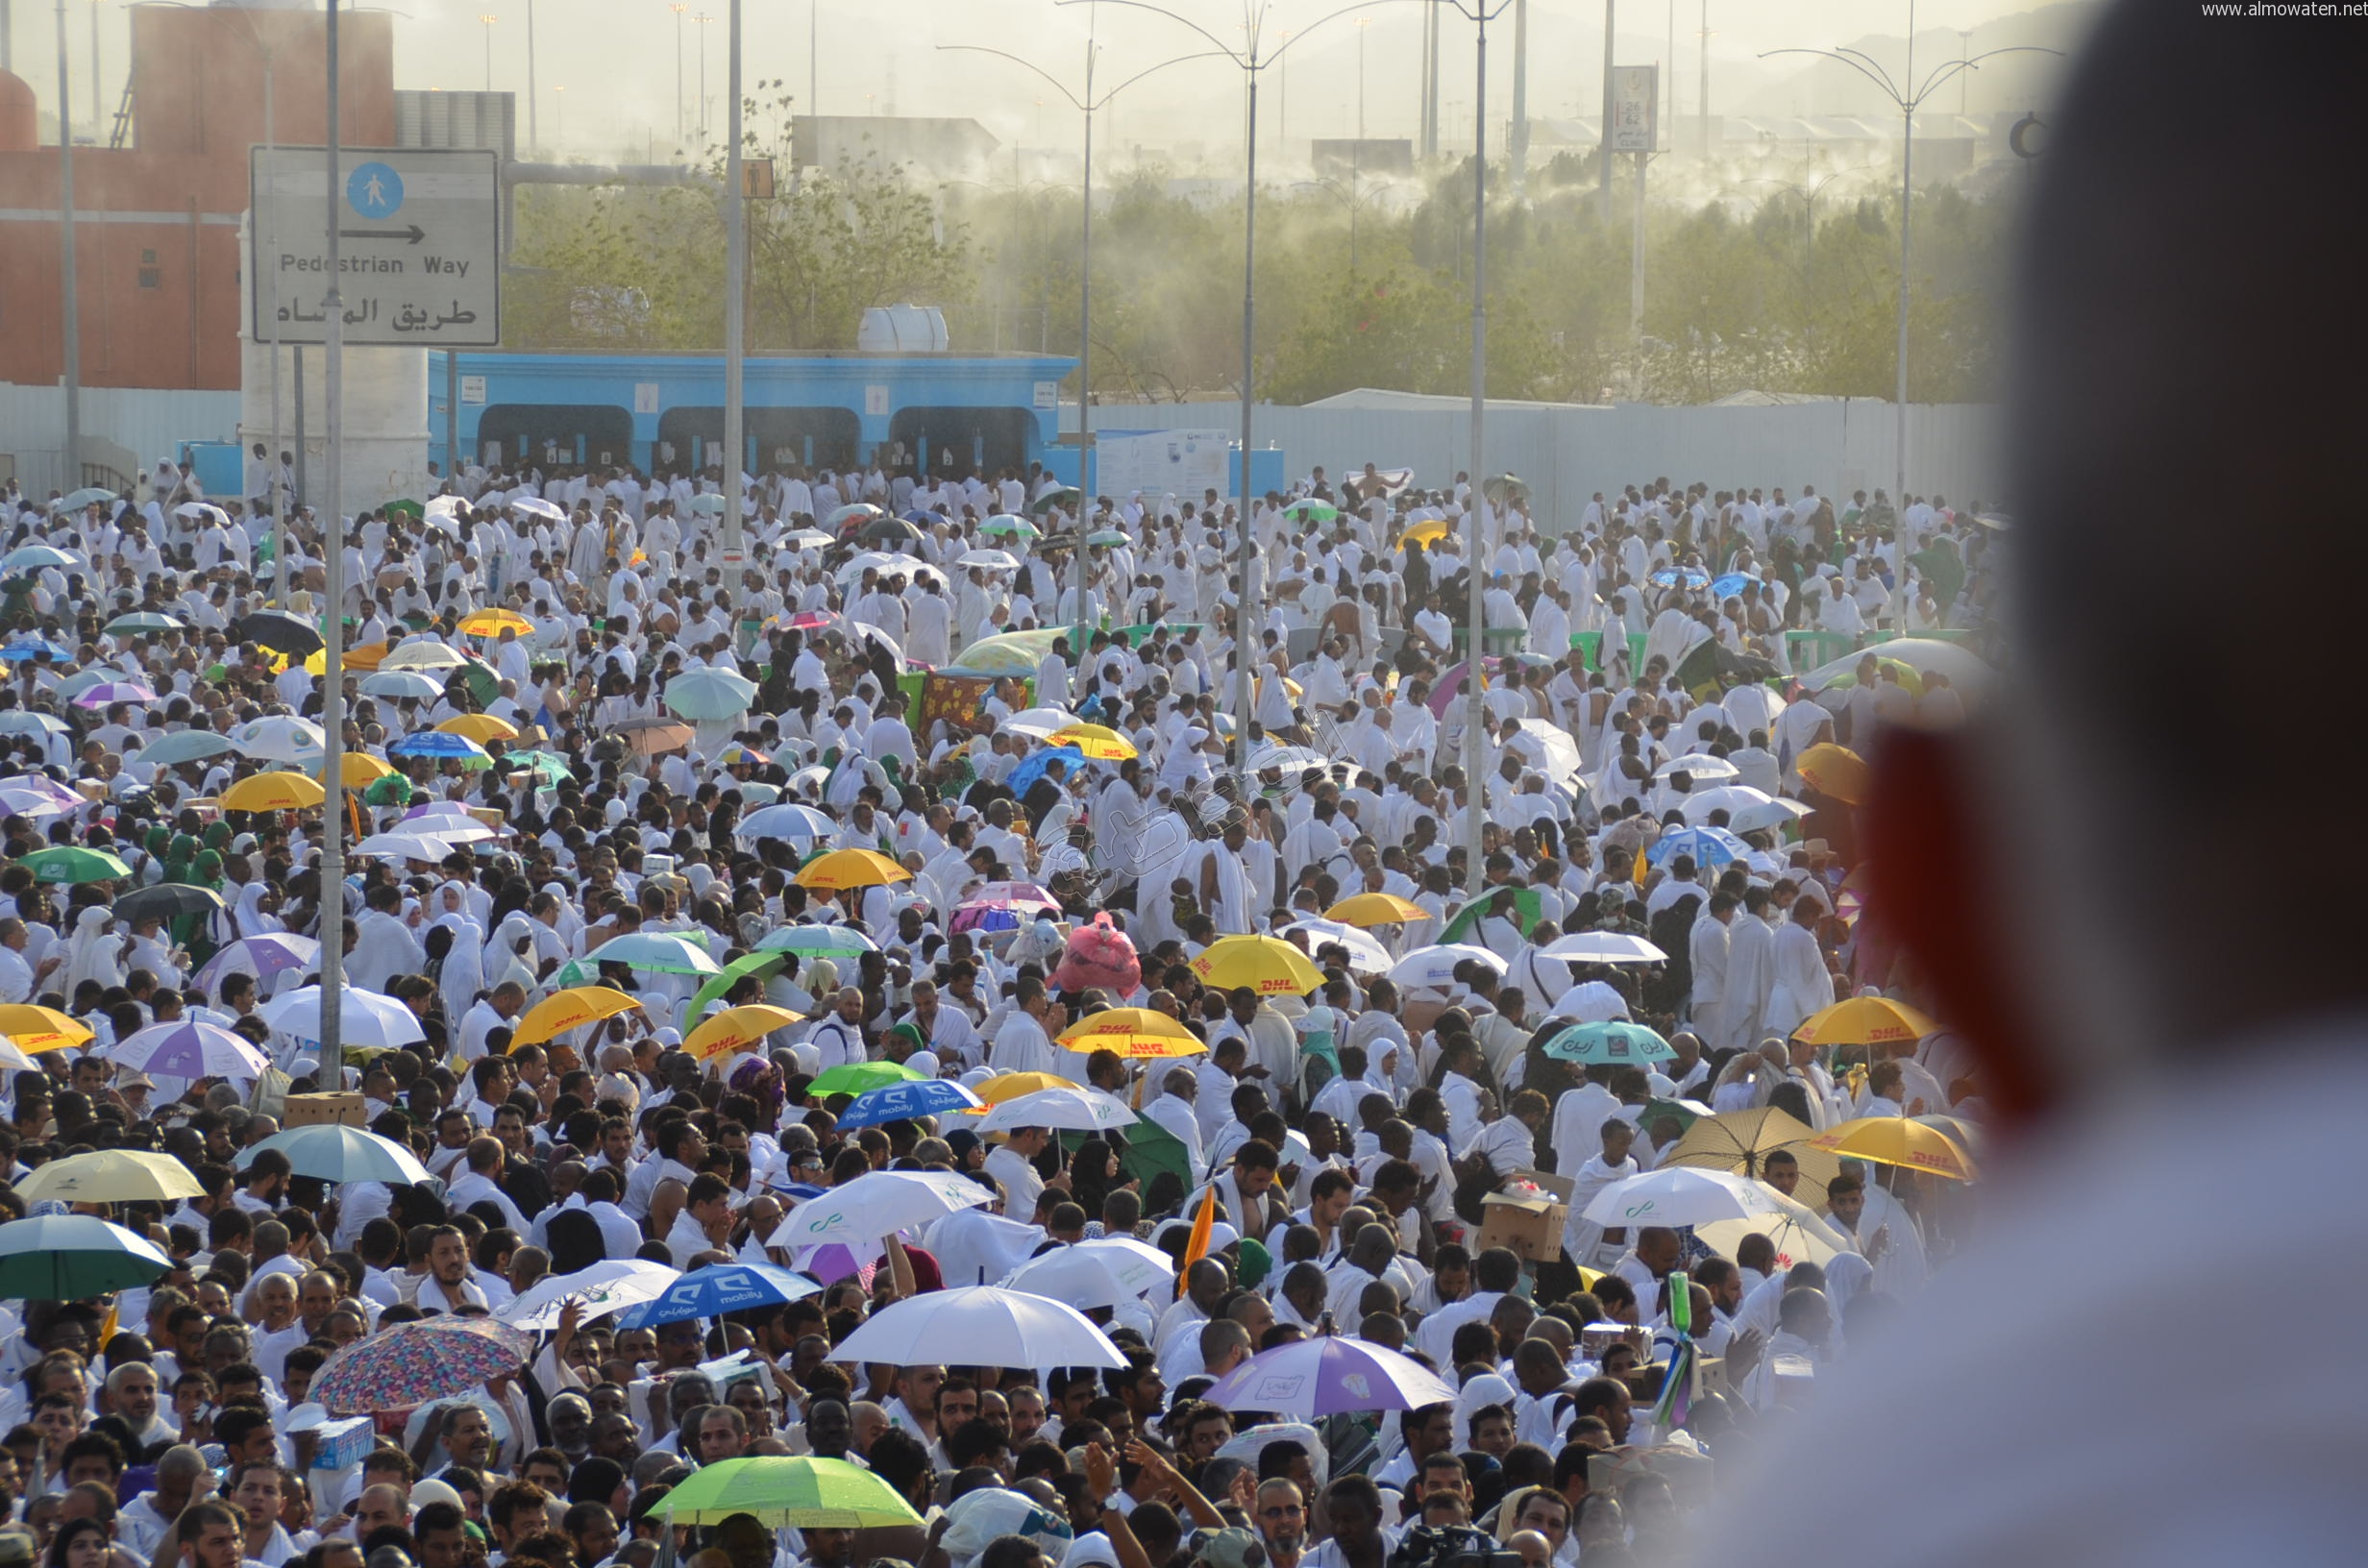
<point x="419" y="244"/>
<point x="1635" y="126"/>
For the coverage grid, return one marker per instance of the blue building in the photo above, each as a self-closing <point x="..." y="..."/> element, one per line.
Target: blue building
<point x="666" y="412"/>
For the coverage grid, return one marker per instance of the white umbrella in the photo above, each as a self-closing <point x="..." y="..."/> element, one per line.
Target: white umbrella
<point x="1081" y="1278"/>
<point x="786" y="821"/>
<point x="1925" y="655"/>
<point x="993" y="560"/>
<point x="983" y="1325"/>
<point x="1140" y="1266"/>
<point x="400" y="683"/>
<point x="1748" y="810"/>
<point x="338" y="1153"/>
<point x="188" y="746"/>
<point x="1076" y="1110"/>
<point x="604" y="1287"/>
<point x="537" y="506"/>
<point x="198" y="511"/>
<point x="1041" y="723"/>
<point x="1603" y="948"/>
<point x="280" y="738"/>
<point x="1435" y="966"/>
<point x="1681" y="1195"/>
<point x="426" y="847"/>
<point x="366" y="1017"/>
<point x="1365" y="955"/>
<point x="1798" y="1238"/>
<point x="878" y="1204"/>
<point x="424" y="654"/>
<point x="188" y="1049"/>
<point x="805" y="539"/>
<point x="1696" y="766"/>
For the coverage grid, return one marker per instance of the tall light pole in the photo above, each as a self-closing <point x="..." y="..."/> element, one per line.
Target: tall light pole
<point x="813" y="57"/>
<point x="1705" y="105"/>
<point x="735" y="292"/>
<point x="333" y="627"/>
<point x="71" y="301"/>
<point x="1251" y="58"/>
<point x="1907" y="95"/>
<point x="1479" y="13"/>
<point x="535" y="135"/>
<point x="259" y="247"/>
<point x="1087" y="104"/>
<point x="488" y="18"/>
<point x="1516" y="146"/>
<point x="98" y="98"/>
<point x="1604" y="158"/>
<point x="678" y="7"/>
<point x="703" y="20"/>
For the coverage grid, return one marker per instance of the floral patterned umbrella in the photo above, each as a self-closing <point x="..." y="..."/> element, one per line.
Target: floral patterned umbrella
<point x="416" y="1363"/>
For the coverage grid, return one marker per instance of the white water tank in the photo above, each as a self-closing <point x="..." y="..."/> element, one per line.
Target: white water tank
<point x="901" y="329"/>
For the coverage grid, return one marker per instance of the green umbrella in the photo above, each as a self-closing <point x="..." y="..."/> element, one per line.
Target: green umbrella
<point x="662" y="952"/>
<point x="859" y="1077"/>
<point x="764" y="965"/>
<point x="68" y="1256"/>
<point x="1109" y="538"/>
<point x="1064" y="497"/>
<point x="1150" y="1149"/>
<point x="1613" y="1043"/>
<point x="1313" y="510"/>
<point x="1004" y="525"/>
<point x="809" y="1492"/>
<point x="551" y="769"/>
<point x="393" y="789"/>
<point x="71" y="862"/>
<point x="1527" y="908"/>
<point x="145" y="621"/>
<point x="406" y="507"/>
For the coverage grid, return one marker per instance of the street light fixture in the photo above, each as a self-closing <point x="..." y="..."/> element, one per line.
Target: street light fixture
<point x="1908" y="95"/>
<point x="678" y="7"/>
<point x="703" y="20"/>
<point x="1250" y="59"/>
<point x="488" y="18"/>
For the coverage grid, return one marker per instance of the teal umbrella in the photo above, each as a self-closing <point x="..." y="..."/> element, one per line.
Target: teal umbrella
<point x="71" y="862"/>
<point x="70" y="1257"/>
<point x="709" y="693"/>
<point x="1527" y="908"/>
<point x="1065" y="497"/>
<point x="1609" y="1045"/>
<point x="145" y="621"/>
<point x="661" y="951"/>
<point x="1312" y="510"/>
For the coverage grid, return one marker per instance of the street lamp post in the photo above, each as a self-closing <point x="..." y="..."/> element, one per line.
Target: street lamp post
<point x="735" y="300"/>
<point x="534" y="137"/>
<point x="71" y="325"/>
<point x="1907" y="95"/>
<point x="703" y="20"/>
<point x="678" y="7"/>
<point x="333" y="623"/>
<point x="1087" y="104"/>
<point x="488" y="18"/>
<point x="1250" y="59"/>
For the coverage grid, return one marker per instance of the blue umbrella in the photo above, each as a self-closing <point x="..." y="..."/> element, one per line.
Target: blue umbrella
<point x="33" y="648"/>
<point x="437" y="743"/>
<point x="902" y="1102"/>
<point x="1666" y="578"/>
<point x="1732" y="583"/>
<point x="1711" y="846"/>
<point x="1032" y="768"/>
<point x="719" y="1287"/>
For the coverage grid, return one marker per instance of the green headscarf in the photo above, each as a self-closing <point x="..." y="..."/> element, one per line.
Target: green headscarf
<point x="207" y="873"/>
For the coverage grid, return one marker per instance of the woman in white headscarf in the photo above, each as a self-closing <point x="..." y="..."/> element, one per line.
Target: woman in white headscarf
<point x="95" y="952"/>
<point x="250" y="917"/>
<point x="462" y="974"/>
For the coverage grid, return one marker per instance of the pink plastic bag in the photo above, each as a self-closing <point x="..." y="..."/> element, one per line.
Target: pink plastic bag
<point x="1099" y="956"/>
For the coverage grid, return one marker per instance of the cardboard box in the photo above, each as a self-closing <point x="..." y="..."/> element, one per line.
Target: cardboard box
<point x="319" y="1110"/>
<point x="1530" y="1227"/>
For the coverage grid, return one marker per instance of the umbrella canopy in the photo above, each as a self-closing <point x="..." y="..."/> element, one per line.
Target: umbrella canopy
<point x="273" y="791"/>
<point x="167" y="901"/>
<point x="657" y="951"/>
<point x="1609" y="1044"/>
<point x="1004" y="525"/>
<point x="1525" y="907"/>
<point x="737" y="1029"/>
<point x="336" y="1153"/>
<point x="1309" y="510"/>
<point x="1603" y="948"/>
<point x="68" y="1256"/>
<point x="1741" y="1140"/>
<point x="986" y="1326"/>
<point x="1267" y="965"/>
<point x="1681" y="1195"/>
<point x="1081" y="1278"/>
<point x="842" y="868"/>
<point x="418" y="1363"/>
<point x="1898" y="1141"/>
<point x="1924" y="655"/>
<point x="112" y="1176"/>
<point x="1010" y="652"/>
<point x="1365" y="955"/>
<point x="719" y="1288"/>
<point x="888" y="530"/>
<point x="1066" y="495"/>
<point x="1284" y="755"/>
<point x="653" y="736"/>
<point x="188" y="1049"/>
<point x="365" y="1018"/>
<point x="818" y="941"/>
<point x="72" y="862"/>
<point x="1711" y="847"/>
<point x="877" y="1204"/>
<point x="38" y="1029"/>
<point x="481" y="727"/>
<point x="1866" y="1020"/>
<point x="1010" y="1086"/>
<point x="1098" y="742"/>
<point x="30" y="557"/>
<point x="188" y="745"/>
<point x="105" y="693"/>
<point x="494" y="623"/>
<point x="439" y="744"/>
<point x="1329" y="1376"/>
<point x="1696" y="766"/>
<point x="854" y="513"/>
<point x="280" y="738"/>
<point x="570" y="1009"/>
<point x="424" y="654"/>
<point x="993" y="560"/>
<point x="401" y="683"/>
<point x="26" y="798"/>
<point x="809" y="1492"/>
<point x="281" y="632"/>
<point x="905" y="1101"/>
<point x="1835" y="770"/>
<point x="1138" y="1033"/>
<point x="429" y="847"/>
<point x="1435" y="966"/>
<point x="1043" y="723"/>
<point x="611" y="1285"/>
<point x="1370" y="908"/>
<point x="1748" y="810"/>
<point x="1085" y="1110"/>
<point x="356" y="770"/>
<point x="709" y="693"/>
<point x="1798" y="1238"/>
<point x="800" y="824"/>
<point x="862" y="1077"/>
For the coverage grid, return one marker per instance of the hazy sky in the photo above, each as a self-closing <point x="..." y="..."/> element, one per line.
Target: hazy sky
<point x="606" y="72"/>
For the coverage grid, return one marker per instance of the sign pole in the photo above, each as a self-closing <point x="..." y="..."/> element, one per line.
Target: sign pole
<point x="332" y="623"/>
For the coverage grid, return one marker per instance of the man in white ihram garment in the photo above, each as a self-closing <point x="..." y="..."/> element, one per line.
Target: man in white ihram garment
<point x="2120" y="1037"/>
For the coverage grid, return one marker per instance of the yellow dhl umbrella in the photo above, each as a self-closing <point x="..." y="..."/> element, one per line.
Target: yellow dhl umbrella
<point x="363" y="657"/>
<point x="570" y="1009"/>
<point x="1267" y="965"/>
<point x="738" y="1028"/>
<point x="1370" y="908"/>
<point x="112" y="1176"/>
<point x="481" y="727"/>
<point x="1429" y="531"/>
<point x="1010" y="1086"/>
<point x="38" y="1029"/>
<point x="358" y="769"/>
<point x="1835" y="770"/>
<point x="1866" y="1020"/>
<point x="494" y="623"/>
<point x="273" y="791"/>
<point x="1898" y="1141"/>
<point x="1136" y="1032"/>
<point x="1098" y="742"/>
<point x="851" y="868"/>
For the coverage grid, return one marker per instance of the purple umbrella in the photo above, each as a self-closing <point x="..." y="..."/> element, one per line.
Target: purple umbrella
<point x="275" y="952"/>
<point x="1329" y="1376"/>
<point x="188" y="1049"/>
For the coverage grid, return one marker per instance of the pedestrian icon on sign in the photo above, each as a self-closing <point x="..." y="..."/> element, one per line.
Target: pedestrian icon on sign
<point x="374" y="190"/>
